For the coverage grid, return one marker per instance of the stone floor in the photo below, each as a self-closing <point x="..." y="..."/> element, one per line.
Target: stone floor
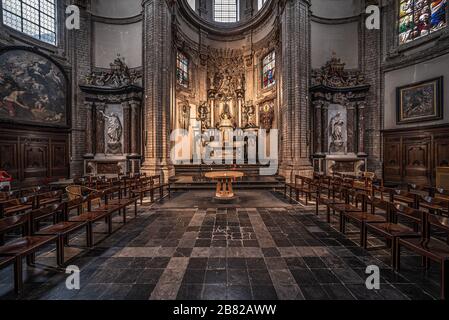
<point x="269" y="252"/>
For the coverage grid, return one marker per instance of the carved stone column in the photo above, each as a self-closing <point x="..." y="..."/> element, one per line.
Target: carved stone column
<point x="295" y="21"/>
<point x="134" y="128"/>
<point x="158" y="79"/>
<point x="318" y="129"/>
<point x="361" y="129"/>
<point x="99" y="131"/>
<point x="351" y="126"/>
<point x="89" y="130"/>
<point x="126" y="127"/>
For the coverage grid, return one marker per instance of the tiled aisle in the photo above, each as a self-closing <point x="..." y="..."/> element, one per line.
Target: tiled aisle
<point x="234" y="253"/>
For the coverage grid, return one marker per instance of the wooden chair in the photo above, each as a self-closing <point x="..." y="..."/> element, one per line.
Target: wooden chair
<point x="391" y="230"/>
<point x="431" y="248"/>
<point x="363" y="217"/>
<point x="16" y="206"/>
<point x="6" y="261"/>
<point x="62" y="230"/>
<point x="402" y="196"/>
<point x="342" y="208"/>
<point x="25" y="247"/>
<point x="327" y="198"/>
<point x="434" y="205"/>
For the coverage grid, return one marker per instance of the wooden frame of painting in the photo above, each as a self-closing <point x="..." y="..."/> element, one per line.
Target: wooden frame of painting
<point x="421" y="101"/>
<point x="34" y="89"/>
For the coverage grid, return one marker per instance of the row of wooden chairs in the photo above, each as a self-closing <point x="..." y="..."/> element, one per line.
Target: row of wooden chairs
<point x="56" y="209"/>
<point x="392" y="215"/>
<point x="62" y="224"/>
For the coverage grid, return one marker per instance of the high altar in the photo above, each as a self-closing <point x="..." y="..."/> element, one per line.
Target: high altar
<point x="229" y="104"/>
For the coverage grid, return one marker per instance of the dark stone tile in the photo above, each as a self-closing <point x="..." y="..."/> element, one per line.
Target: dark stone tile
<point x="158" y="263"/>
<point x="295" y="263"/>
<point x="149" y="276"/>
<point x="264" y="292"/>
<point x="239" y="292"/>
<point x="348" y="276"/>
<point x="197" y="263"/>
<point x="337" y="292"/>
<point x="325" y="276"/>
<point x="140" y="292"/>
<point x="314" y="262"/>
<point x="238" y="277"/>
<point x="361" y="292"/>
<point x="214" y="292"/>
<point x="304" y="277"/>
<point x="140" y="263"/>
<point x="128" y="276"/>
<point x="216" y="264"/>
<point x="216" y="277"/>
<point x="236" y="263"/>
<point x="219" y="243"/>
<point x="256" y="264"/>
<point x="259" y="277"/>
<point x="194" y="276"/>
<point x="116" y="291"/>
<point x="271" y="252"/>
<point x="315" y="292"/>
<point x="250" y="243"/>
<point x="183" y="252"/>
<point x="413" y="292"/>
<point x="235" y="243"/>
<point x="203" y="243"/>
<point x="105" y="275"/>
<point x="91" y="291"/>
<point x="190" y="292"/>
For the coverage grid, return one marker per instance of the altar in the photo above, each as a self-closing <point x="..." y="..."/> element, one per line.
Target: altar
<point x="338" y="103"/>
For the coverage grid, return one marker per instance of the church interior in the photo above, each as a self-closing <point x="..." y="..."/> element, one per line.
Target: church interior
<point x="224" y="150"/>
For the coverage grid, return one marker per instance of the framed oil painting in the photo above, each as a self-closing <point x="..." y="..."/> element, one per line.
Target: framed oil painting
<point x="422" y="101"/>
<point x="33" y="89"/>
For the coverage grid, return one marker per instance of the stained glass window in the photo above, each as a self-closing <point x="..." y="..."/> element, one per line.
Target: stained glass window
<point x="226" y="11"/>
<point x="182" y="70"/>
<point x="36" y="18"/>
<point x="418" y="18"/>
<point x="268" y="70"/>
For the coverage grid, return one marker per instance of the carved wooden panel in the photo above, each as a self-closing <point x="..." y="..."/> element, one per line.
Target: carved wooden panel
<point x="392" y="160"/>
<point x="108" y="168"/>
<point x="33" y="157"/>
<point x="412" y="155"/>
<point x="8" y="157"/>
<point x="417" y="165"/>
<point x="35" y="161"/>
<point x="59" y="162"/>
<point x="442" y="153"/>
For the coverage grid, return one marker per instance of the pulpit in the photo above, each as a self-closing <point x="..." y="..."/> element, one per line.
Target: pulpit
<point x="338" y="104"/>
<point x="113" y="105"/>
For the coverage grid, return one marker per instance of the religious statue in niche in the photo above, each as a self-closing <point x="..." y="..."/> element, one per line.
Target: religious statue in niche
<point x="226" y="117"/>
<point x="267" y="116"/>
<point x="336" y="126"/>
<point x="249" y="116"/>
<point x="114" y="132"/>
<point x="203" y="115"/>
<point x="184" y="119"/>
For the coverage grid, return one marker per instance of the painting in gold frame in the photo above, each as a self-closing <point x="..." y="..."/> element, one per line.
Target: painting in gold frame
<point x="421" y="101"/>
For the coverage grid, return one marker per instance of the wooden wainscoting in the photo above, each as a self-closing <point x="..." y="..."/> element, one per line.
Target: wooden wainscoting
<point x="32" y="157"/>
<point x="412" y="155"/>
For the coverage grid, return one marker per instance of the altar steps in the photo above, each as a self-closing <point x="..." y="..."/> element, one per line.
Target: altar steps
<point x="184" y="183"/>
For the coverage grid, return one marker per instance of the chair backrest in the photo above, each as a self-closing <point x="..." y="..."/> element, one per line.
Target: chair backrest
<point x="74" y="192"/>
<point x="380" y="204"/>
<point x="407" y="212"/>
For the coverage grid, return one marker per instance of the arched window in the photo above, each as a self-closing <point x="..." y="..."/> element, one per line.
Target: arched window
<point x="260" y="4"/>
<point x="182" y="70"/>
<point x="226" y="10"/>
<point x="418" y="18"/>
<point x="36" y="18"/>
<point x="269" y="70"/>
